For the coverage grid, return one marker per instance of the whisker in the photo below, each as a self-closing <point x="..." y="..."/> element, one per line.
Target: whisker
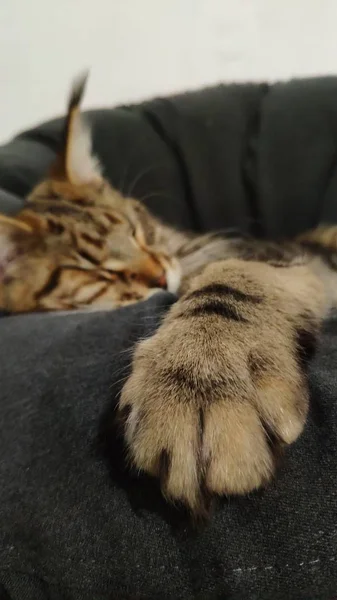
<point x="128" y="164"/>
<point x="121" y="380"/>
<point x="124" y="178"/>
<point x="121" y="370"/>
<point x="141" y="175"/>
<point x="136" y="149"/>
<point x="126" y="350"/>
<point x="159" y="195"/>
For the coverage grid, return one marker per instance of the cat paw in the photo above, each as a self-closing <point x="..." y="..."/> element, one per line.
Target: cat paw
<point x="213" y="397"/>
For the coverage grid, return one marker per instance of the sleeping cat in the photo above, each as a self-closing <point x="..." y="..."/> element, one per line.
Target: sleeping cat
<point x="222" y="385"/>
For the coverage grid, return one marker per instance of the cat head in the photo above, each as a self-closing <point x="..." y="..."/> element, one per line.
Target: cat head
<point x="78" y="243"/>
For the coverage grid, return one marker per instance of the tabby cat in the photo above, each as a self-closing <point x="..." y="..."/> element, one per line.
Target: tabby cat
<point x="222" y="385"/>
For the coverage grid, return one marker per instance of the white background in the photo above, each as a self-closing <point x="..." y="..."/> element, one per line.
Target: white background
<point x="140" y="48"/>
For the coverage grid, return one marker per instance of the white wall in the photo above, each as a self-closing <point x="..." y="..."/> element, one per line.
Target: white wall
<point x="139" y="48"/>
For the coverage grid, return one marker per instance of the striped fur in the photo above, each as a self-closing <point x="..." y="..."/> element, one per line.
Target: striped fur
<point x="222" y="386"/>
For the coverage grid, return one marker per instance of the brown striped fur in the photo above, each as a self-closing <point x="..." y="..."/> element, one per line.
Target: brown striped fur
<point x="222" y="385"/>
<point x="78" y="243"/>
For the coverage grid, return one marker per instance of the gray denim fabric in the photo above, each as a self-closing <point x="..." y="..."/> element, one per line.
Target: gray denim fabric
<point x="74" y="526"/>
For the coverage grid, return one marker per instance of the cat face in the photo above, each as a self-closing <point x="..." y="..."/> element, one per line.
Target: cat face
<point x="78" y="243"/>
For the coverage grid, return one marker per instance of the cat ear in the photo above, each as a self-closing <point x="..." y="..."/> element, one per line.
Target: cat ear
<point x="76" y="163"/>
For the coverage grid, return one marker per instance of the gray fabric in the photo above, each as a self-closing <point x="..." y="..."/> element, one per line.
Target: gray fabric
<point x="74" y="526"/>
<point x="9" y="203"/>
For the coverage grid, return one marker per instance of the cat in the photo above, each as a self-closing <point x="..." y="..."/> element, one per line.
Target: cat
<point x="221" y="386"/>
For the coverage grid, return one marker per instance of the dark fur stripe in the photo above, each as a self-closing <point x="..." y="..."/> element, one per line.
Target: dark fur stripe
<point x="51" y="283"/>
<point x="214" y="307"/>
<point x="98" y="294"/>
<point x="190" y="382"/>
<point x="84" y="202"/>
<point x="223" y="289"/>
<point x="61" y="208"/>
<point x="121" y="275"/>
<point x="114" y="220"/>
<point x="92" y="240"/>
<point x="182" y="377"/>
<point x="55" y="227"/>
<point x="89" y="257"/>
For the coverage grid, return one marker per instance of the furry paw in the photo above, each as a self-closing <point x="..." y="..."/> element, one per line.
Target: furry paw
<point x="220" y="388"/>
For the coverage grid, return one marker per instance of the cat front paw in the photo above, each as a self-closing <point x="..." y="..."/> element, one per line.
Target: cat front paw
<point x="215" y="395"/>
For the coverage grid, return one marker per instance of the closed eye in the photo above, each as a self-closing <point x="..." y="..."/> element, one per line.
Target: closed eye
<point x="76" y="268"/>
<point x="139" y="237"/>
<point x="106" y="274"/>
<point x="88" y="257"/>
<point x="136" y="233"/>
